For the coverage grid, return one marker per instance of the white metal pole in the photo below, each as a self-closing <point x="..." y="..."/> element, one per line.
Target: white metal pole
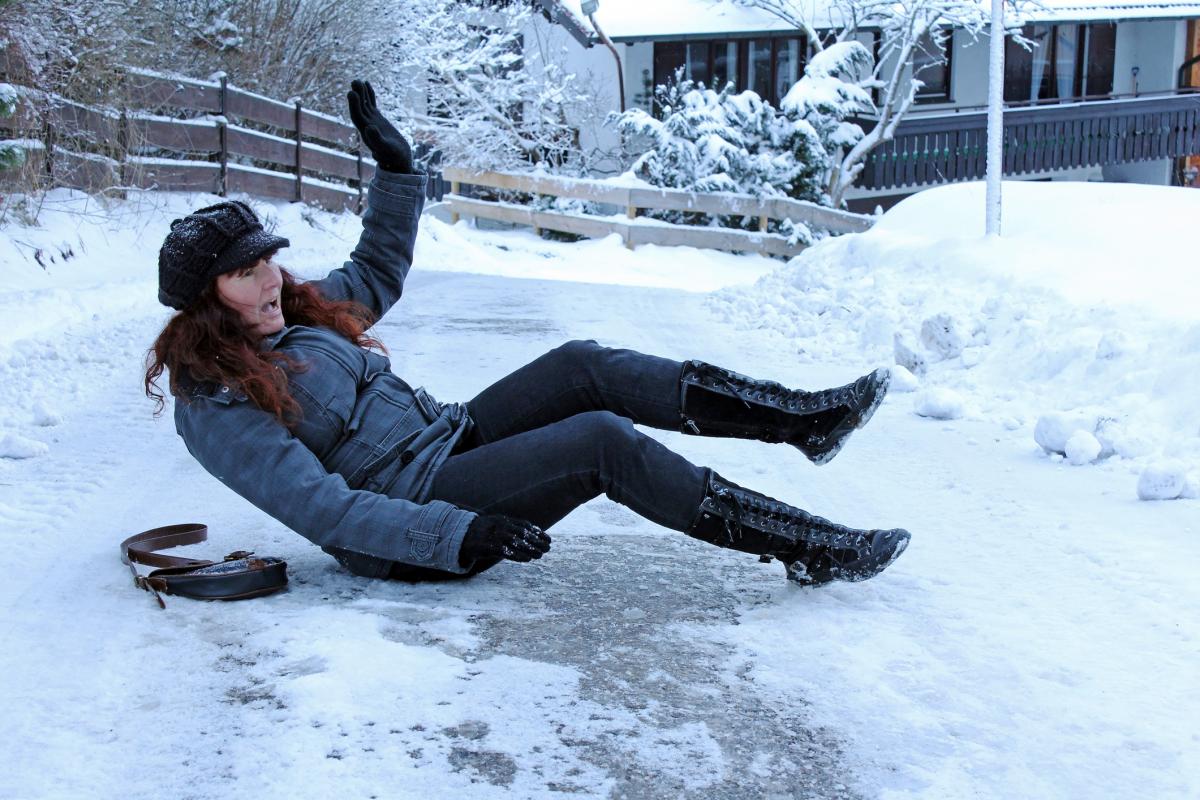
<point x="995" y="124"/>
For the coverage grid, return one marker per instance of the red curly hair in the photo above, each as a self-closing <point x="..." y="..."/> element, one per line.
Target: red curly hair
<point x="208" y="342"/>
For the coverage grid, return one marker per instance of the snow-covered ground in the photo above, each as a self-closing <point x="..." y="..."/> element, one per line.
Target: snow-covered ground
<point x="1039" y="639"/>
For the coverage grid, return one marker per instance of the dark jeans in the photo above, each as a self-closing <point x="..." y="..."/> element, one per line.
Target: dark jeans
<point x="559" y="432"/>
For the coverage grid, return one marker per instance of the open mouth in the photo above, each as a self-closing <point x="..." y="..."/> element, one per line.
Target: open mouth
<point x="270" y="307"/>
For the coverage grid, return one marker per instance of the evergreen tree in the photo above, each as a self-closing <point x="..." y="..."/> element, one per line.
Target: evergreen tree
<point x="710" y="141"/>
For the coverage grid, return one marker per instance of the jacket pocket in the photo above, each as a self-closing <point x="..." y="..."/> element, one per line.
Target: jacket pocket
<point x="421" y="545"/>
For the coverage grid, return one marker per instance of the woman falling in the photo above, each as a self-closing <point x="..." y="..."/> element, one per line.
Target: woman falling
<point x="283" y="396"/>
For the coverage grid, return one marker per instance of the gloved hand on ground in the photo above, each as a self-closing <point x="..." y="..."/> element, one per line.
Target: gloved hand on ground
<point x="491" y="536"/>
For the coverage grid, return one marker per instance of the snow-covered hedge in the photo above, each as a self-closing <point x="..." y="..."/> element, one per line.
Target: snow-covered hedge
<point x="722" y="141"/>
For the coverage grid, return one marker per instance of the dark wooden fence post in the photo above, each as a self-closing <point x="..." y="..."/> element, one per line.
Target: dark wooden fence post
<point x="359" y="208"/>
<point x="49" y="138"/>
<point x="299" y="151"/>
<point x="123" y="147"/>
<point x="223" y="135"/>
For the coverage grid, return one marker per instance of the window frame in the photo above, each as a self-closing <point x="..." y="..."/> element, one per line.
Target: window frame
<point x="946" y="95"/>
<point x="1083" y="47"/>
<point x="741" y="71"/>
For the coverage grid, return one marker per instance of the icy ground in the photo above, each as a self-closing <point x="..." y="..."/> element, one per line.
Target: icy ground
<point x="1039" y="639"/>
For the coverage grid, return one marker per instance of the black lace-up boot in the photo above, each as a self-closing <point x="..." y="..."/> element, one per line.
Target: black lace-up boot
<point x="813" y="549"/>
<point x="718" y="402"/>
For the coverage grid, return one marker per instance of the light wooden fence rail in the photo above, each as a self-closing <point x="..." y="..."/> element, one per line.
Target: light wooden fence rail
<point x="636" y="230"/>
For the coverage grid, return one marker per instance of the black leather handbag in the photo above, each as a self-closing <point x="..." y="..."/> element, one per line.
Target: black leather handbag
<point x="239" y="576"/>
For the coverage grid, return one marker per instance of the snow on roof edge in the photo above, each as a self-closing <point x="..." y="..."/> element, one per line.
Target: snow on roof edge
<point x="633" y="20"/>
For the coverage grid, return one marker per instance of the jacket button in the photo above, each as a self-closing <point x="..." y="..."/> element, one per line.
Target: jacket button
<point x="406" y="457"/>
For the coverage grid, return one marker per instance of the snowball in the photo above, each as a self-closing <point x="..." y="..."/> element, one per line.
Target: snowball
<point x="1053" y="430"/>
<point x="1082" y="448"/>
<point x="903" y="380"/>
<point x="940" y="334"/>
<point x="1162" y="481"/>
<point x="939" y="403"/>
<point x="45" y="417"/>
<point x="907" y="356"/>
<point x="13" y="445"/>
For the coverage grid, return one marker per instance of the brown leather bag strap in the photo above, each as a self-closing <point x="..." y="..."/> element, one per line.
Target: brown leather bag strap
<point x="239" y="576"/>
<point x="139" y="547"/>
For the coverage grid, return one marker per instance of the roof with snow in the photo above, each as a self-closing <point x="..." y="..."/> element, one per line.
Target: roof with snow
<point x="661" y="19"/>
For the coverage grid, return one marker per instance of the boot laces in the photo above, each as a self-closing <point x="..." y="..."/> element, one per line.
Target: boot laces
<point x="810" y="532"/>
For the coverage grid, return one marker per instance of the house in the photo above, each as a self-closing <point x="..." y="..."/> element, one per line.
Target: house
<point x="1105" y="96"/>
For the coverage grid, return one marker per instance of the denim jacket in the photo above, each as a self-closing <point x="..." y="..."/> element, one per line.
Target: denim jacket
<point x="355" y="474"/>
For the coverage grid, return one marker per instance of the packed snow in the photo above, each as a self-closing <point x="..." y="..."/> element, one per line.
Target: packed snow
<point x="1038" y="639"/>
<point x="1081" y="317"/>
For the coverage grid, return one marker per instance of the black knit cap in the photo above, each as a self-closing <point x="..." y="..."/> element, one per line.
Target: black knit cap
<point x="206" y="243"/>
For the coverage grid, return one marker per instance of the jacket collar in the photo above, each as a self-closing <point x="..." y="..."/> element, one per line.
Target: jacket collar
<point x="269" y="342"/>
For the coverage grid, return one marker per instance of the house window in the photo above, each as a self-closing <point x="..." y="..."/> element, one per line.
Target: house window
<point x="699" y="63"/>
<point x="932" y="63"/>
<point x="668" y="57"/>
<point x="1101" y="49"/>
<point x="769" y="67"/>
<point x="1068" y="61"/>
<point x="724" y="64"/>
<point x="788" y="60"/>
<point x="758" y="67"/>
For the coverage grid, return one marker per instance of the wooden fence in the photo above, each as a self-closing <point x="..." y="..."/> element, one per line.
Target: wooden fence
<point x="188" y="135"/>
<point x="240" y="142"/>
<point x="636" y="230"/>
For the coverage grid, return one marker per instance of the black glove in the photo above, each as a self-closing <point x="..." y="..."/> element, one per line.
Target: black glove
<point x="492" y="536"/>
<point x="387" y="146"/>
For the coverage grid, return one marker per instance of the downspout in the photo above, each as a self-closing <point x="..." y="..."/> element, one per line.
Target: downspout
<point x="616" y="57"/>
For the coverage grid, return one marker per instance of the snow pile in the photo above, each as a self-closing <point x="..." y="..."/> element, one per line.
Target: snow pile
<point x="1077" y="328"/>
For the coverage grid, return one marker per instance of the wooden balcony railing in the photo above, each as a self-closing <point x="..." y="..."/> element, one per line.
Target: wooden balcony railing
<point x="942" y="148"/>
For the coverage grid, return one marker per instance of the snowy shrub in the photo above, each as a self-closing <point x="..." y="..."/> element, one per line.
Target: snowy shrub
<point x="846" y="75"/>
<point x="710" y="141"/>
<point x="828" y="96"/>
